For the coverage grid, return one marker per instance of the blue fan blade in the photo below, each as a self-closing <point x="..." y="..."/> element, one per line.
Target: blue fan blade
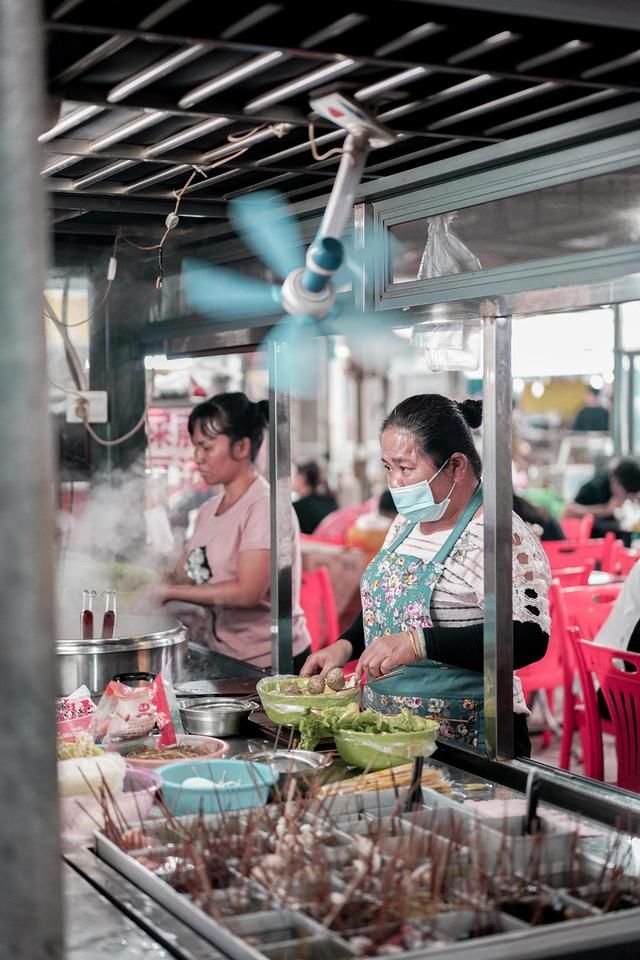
<point x="270" y="229"/>
<point x="370" y="338"/>
<point x="298" y="335"/>
<point x="216" y="291"/>
<point x="356" y="262"/>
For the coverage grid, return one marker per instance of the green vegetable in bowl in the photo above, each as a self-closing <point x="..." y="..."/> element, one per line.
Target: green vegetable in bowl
<point x="317" y="724"/>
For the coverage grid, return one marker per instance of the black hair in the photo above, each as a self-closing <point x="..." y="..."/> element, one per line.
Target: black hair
<point x="386" y="503"/>
<point x="440" y="426"/>
<point x="627" y="473"/>
<point x="311" y="473"/>
<point x="234" y="415"/>
<point x="594" y="391"/>
<point x="529" y="512"/>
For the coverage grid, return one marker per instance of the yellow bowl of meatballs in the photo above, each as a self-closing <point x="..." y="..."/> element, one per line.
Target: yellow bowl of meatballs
<point x="285" y="698"/>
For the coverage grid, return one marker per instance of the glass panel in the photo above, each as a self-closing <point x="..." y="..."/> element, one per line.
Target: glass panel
<point x="593" y="214"/>
<point x="635" y="422"/>
<point x="630" y="326"/>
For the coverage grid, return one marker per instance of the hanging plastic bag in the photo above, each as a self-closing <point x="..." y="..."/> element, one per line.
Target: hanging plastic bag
<point x="456" y="346"/>
<point x="444" y="252"/>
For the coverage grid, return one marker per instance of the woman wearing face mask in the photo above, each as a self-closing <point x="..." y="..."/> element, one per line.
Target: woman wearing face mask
<point x="423" y="593"/>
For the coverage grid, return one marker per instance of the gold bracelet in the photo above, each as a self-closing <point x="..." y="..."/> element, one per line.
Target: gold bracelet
<point x="414" y="645"/>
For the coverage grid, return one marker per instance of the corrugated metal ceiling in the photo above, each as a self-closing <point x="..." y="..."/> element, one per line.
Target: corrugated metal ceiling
<point x="142" y="91"/>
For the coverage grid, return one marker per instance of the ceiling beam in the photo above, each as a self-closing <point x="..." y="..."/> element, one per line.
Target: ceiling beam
<point x="150" y="99"/>
<point x="393" y="64"/>
<point x="624" y="14"/>
<point x="80" y="201"/>
<point x="123" y="151"/>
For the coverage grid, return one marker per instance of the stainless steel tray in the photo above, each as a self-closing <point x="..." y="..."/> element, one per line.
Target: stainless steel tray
<point x="280" y="920"/>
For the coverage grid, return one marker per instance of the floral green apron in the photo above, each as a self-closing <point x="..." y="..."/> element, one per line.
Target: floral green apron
<point x="396" y="594"/>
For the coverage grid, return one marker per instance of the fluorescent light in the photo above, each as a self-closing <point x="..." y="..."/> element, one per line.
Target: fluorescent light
<point x="159" y="69"/>
<point x="406" y="76"/>
<point x="156" y="178"/>
<point x="70" y="120"/>
<point x="102" y="174"/>
<point x="418" y="33"/>
<point x="184" y="136"/>
<point x="491" y="43"/>
<point x="305" y="82"/>
<point x="227" y="79"/>
<point x="141" y="122"/>
<point x="564" y="50"/>
<point x="60" y="164"/>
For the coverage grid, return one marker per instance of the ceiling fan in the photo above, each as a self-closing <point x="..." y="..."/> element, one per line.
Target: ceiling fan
<point x="307" y="293"/>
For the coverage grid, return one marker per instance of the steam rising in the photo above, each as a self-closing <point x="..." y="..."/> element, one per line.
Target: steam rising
<point x="102" y="545"/>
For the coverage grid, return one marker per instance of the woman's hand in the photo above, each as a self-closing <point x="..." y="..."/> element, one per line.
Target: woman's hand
<point x="384" y="654"/>
<point x="150" y="598"/>
<point x="335" y="655"/>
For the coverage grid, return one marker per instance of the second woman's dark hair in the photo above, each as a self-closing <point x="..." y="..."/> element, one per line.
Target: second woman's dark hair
<point x="441" y="426"/>
<point x="234" y="415"/>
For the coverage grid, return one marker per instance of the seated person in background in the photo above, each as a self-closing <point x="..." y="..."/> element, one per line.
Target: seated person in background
<point x="621" y="629"/>
<point x="314" y="501"/>
<point x="593" y="416"/>
<point x="537" y="519"/>
<point x="604" y="494"/>
<point x="369" y="530"/>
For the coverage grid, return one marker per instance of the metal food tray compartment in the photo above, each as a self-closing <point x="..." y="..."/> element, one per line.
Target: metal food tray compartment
<point x="264" y="922"/>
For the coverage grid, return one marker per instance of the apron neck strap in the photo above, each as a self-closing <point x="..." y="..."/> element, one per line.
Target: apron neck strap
<point x="463" y="522"/>
<point x="454" y="536"/>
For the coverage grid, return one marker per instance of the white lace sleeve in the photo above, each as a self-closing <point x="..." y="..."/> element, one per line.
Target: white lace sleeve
<point x="531" y="577"/>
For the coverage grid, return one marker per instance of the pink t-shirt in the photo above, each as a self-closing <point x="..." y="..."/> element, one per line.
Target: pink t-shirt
<point x="245" y="632"/>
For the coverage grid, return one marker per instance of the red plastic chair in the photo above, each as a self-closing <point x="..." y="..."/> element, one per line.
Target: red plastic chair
<point x="319" y="605"/>
<point x="335" y="525"/>
<point x="577" y="528"/>
<point x="618" y="673"/>
<point x="580" y="611"/>
<point x="623" y="559"/>
<point x="546" y="675"/>
<point x="575" y="553"/>
<point x="574" y="576"/>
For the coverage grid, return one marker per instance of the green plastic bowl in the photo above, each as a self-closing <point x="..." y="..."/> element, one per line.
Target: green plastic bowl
<point x="377" y="751"/>
<point x="288" y="709"/>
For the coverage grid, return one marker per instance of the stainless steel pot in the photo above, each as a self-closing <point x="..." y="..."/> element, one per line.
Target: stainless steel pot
<point x="144" y="644"/>
<point x="218" y="717"/>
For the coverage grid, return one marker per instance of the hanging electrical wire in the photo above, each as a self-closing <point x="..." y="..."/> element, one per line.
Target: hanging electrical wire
<point x="82" y="412"/>
<point x="111" y="275"/>
<point x="334" y="152"/>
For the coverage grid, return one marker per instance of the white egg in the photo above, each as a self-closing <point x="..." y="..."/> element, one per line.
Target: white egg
<point x="201" y="782"/>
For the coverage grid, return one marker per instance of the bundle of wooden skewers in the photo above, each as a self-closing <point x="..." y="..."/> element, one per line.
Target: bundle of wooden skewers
<point x="386" y="779"/>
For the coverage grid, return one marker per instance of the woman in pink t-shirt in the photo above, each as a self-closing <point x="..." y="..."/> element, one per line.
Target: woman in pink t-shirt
<point x="223" y="578"/>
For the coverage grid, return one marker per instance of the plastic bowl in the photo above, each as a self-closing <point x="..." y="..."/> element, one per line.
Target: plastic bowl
<point x="79" y="815"/>
<point x="377" y="751"/>
<point x="252" y="791"/>
<point x="218" y="750"/>
<point x="287" y="709"/>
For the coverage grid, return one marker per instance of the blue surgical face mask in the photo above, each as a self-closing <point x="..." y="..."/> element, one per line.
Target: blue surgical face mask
<point x="416" y="503"/>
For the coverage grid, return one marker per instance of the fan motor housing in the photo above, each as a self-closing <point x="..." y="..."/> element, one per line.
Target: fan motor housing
<point x="303" y="303"/>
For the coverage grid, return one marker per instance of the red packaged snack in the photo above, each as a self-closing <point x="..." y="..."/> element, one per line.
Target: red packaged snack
<point x="75" y="712"/>
<point x="128" y="713"/>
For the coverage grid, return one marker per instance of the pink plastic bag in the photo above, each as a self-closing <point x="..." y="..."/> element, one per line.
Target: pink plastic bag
<point x="128" y="713"/>
<point x="75" y="712"/>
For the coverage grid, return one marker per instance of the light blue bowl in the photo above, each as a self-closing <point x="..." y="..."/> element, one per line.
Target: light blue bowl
<point x="255" y="780"/>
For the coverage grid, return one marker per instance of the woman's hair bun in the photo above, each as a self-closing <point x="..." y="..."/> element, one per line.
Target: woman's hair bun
<point x="471" y="410"/>
<point x="262" y="409"/>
